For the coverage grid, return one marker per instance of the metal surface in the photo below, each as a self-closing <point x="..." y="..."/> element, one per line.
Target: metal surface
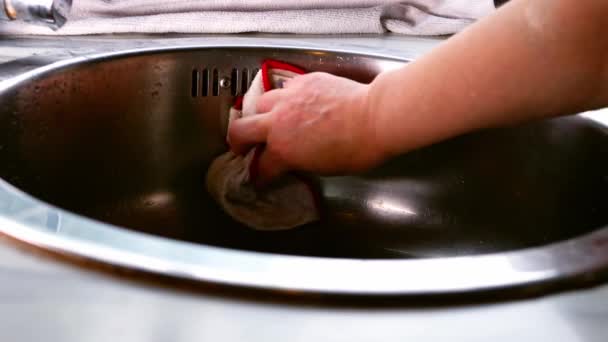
<point x="52" y="13"/>
<point x="120" y="138"/>
<point x="45" y="300"/>
<point x="71" y="303"/>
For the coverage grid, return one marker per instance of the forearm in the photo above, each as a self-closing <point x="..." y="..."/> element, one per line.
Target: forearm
<point x="531" y="59"/>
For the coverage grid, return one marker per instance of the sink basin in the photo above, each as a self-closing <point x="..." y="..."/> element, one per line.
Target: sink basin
<point x="120" y="143"/>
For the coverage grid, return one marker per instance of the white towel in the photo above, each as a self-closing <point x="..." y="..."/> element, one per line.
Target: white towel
<point x="286" y="203"/>
<point x="413" y="17"/>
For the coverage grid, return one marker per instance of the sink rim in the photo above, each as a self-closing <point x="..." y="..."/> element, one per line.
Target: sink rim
<point x="580" y="257"/>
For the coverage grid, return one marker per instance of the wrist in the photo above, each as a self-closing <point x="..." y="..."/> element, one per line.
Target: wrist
<point x="363" y="137"/>
<point x="379" y="118"/>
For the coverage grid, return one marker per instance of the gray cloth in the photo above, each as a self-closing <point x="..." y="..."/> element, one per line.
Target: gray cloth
<point x="286" y="203"/>
<point x="413" y="17"/>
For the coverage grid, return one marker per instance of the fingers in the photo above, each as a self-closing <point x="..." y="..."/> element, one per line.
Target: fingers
<point x="248" y="131"/>
<point x="268" y="100"/>
<point x="251" y="130"/>
<point x="269" y="168"/>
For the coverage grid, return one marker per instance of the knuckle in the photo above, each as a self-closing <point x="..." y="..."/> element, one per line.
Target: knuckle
<point x="261" y="104"/>
<point x="316" y="77"/>
<point x="305" y="80"/>
<point x="265" y="102"/>
<point x="277" y="150"/>
<point x="283" y="113"/>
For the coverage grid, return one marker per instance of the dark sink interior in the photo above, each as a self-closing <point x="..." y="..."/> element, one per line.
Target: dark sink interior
<point x="127" y="140"/>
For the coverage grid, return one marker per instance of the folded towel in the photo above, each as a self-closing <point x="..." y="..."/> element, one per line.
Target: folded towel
<point x="287" y="203"/>
<point x="414" y="17"/>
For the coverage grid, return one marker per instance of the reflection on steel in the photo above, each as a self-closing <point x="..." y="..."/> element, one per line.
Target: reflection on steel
<point x="390" y="206"/>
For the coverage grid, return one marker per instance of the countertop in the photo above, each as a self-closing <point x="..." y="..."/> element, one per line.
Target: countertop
<point x="51" y="299"/>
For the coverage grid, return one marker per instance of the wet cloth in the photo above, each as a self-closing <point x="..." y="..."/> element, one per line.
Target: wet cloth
<point x="286" y="203"/>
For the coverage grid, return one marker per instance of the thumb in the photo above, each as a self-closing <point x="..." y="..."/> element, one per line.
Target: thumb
<point x="268" y="168"/>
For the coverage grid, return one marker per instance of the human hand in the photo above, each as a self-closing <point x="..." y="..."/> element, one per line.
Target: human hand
<point x="318" y="123"/>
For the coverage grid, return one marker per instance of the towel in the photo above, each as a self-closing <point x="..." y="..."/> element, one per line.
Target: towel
<point x="286" y="203"/>
<point x="412" y="17"/>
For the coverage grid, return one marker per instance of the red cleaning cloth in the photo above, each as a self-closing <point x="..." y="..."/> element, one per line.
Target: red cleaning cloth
<point x="286" y="203"/>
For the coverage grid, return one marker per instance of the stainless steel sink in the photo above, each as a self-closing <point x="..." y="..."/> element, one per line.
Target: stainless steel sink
<point x="125" y="139"/>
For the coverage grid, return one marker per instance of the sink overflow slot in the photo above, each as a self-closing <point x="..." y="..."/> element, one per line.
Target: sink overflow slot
<point x="210" y="82"/>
